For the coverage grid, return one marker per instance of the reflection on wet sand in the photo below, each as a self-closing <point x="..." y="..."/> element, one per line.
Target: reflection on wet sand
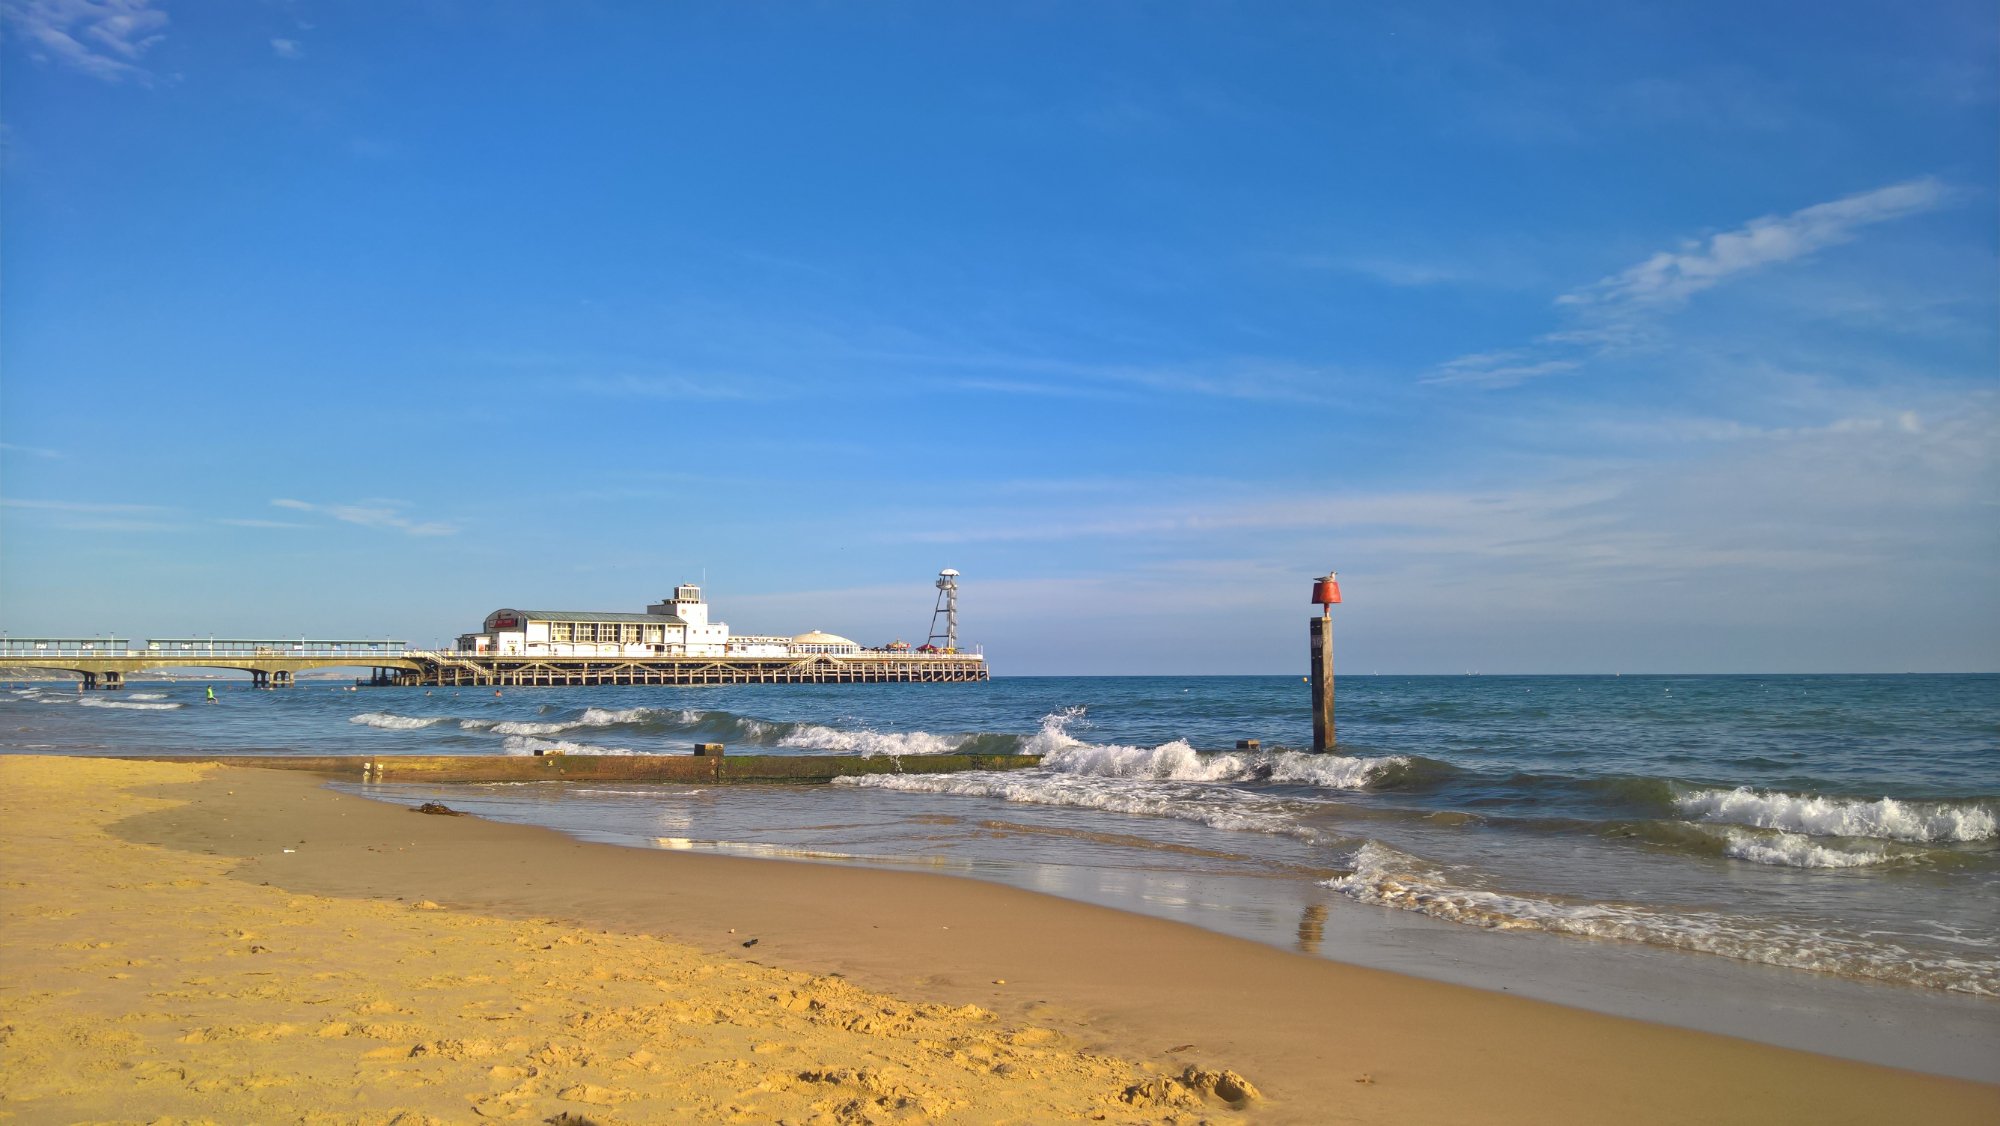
<point x="1312" y="928"/>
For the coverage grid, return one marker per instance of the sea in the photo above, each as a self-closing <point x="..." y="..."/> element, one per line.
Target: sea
<point x="1805" y="860"/>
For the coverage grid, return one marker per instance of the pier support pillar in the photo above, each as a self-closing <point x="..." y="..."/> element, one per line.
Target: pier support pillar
<point x="1322" y="684"/>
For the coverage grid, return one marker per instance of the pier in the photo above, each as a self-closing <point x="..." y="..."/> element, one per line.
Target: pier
<point x="109" y="662"/>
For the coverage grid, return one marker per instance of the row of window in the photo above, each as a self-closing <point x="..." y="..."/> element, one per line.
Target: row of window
<point x="614" y="633"/>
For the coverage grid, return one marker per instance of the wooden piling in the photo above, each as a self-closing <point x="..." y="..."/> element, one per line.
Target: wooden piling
<point x="1322" y="684"/>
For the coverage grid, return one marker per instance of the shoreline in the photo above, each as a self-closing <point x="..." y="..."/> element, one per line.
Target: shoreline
<point x="1322" y="1039"/>
<point x="1892" y="1024"/>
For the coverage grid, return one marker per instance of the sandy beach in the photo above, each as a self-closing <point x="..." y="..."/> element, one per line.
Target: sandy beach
<point x="189" y="943"/>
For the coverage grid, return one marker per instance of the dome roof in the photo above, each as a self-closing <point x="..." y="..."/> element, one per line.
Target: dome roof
<point x="816" y="637"/>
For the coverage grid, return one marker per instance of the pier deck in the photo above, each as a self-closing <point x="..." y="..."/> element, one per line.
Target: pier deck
<point x="110" y="662"/>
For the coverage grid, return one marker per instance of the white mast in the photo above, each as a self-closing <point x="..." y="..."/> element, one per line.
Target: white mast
<point x="947" y="605"/>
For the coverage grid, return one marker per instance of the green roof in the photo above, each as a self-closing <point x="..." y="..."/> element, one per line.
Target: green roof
<point x="593" y="616"/>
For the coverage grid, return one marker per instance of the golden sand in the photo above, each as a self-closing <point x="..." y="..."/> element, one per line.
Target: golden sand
<point x="189" y="943"/>
<point x="146" y="984"/>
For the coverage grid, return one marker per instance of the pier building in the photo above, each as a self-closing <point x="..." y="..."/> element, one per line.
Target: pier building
<point x="672" y="627"/>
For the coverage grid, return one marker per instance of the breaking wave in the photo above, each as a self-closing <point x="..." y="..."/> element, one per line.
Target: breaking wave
<point x="530" y="745"/>
<point x="868" y="743"/>
<point x="389" y="721"/>
<point x="1216" y="807"/>
<point x="1171" y="780"/>
<point x="1884" y="818"/>
<point x="1386" y="877"/>
<point x="94" y="702"/>
<point x="1796" y="850"/>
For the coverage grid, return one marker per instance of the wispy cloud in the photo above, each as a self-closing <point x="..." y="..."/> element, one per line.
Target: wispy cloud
<point x="287" y="48"/>
<point x="105" y="39"/>
<point x="31" y="451"/>
<point x="252" y="522"/>
<point x="1626" y="309"/>
<point x="372" y="514"/>
<point x="1672" y="276"/>
<point x="1245" y="379"/>
<point x="675" y="387"/>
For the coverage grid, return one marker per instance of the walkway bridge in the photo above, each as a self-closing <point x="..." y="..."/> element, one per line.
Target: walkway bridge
<point x="108" y="662"/>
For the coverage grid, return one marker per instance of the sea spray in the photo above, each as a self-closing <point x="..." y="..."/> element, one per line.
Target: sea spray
<point x="1887" y="818"/>
<point x="869" y="743"/>
<point x="389" y="721"/>
<point x="97" y="702"/>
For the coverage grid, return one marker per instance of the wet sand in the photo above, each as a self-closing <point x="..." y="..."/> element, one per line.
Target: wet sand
<point x="239" y="944"/>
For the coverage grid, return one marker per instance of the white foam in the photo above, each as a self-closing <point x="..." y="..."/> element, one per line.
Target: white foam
<point x="592" y="717"/>
<point x="95" y="702"/>
<point x="1216" y="808"/>
<point x="391" y="722"/>
<point x="1796" y="850"/>
<point x="529" y="745"/>
<point x="1886" y="818"/>
<point x="869" y="743"/>
<point x="520" y="726"/>
<point x="145" y="695"/>
<point x="1390" y="878"/>
<point x="1179" y="761"/>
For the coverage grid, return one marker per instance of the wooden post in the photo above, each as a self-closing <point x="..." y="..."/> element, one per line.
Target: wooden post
<point x="1322" y="683"/>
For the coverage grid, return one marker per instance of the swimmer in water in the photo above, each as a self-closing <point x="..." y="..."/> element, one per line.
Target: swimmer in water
<point x="211" y="695"/>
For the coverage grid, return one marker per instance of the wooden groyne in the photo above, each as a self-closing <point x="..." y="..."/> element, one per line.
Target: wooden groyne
<point x="723" y="769"/>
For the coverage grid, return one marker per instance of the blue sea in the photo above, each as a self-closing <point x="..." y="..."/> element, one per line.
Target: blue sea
<point x="1819" y="828"/>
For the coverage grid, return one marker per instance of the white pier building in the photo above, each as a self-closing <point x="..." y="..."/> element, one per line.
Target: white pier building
<point x="673" y="627"/>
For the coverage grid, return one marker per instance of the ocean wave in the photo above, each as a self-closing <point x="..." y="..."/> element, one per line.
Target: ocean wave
<point x="1386" y="877"/>
<point x="1796" y="850"/>
<point x="868" y="743"/>
<point x="1886" y="818"/>
<point x="1178" y="761"/>
<point x="389" y="721"/>
<point x="530" y="745"/>
<point x="145" y="695"/>
<point x="95" y="702"/>
<point x="1215" y="807"/>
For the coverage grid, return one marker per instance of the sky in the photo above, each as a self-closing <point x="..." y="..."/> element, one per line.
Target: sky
<point x="1594" y="337"/>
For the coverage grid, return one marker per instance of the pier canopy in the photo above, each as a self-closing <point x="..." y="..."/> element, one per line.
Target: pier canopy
<point x="816" y="641"/>
<point x="272" y="647"/>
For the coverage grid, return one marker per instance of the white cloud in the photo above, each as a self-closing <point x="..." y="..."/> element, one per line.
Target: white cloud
<point x="1625" y="310"/>
<point x="105" y="39"/>
<point x="1498" y="369"/>
<point x="255" y="523"/>
<point x="31" y="451"/>
<point x="372" y="514"/>
<point x="1670" y="277"/>
<point x="286" y="48"/>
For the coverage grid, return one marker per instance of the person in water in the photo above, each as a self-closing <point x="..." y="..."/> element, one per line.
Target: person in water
<point x="211" y="694"/>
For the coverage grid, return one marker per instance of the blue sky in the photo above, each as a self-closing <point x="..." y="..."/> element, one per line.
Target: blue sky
<point x="1592" y="337"/>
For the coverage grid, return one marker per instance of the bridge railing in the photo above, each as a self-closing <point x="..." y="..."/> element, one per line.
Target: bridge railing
<point x="64" y="647"/>
<point x="237" y="647"/>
